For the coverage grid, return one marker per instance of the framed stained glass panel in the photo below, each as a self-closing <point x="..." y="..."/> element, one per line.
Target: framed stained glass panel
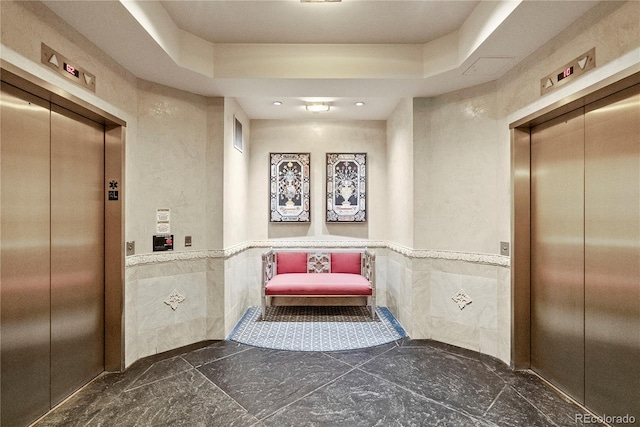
<point x="289" y="187"/>
<point x="346" y="187"/>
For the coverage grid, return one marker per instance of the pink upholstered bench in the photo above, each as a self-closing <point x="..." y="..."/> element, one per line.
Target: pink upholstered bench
<point x="319" y="274"/>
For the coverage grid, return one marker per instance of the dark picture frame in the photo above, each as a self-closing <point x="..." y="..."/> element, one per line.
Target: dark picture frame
<point x="346" y="187"/>
<point x="289" y="187"/>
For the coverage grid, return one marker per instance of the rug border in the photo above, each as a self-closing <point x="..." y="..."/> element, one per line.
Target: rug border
<point x="248" y="312"/>
<point x="392" y="319"/>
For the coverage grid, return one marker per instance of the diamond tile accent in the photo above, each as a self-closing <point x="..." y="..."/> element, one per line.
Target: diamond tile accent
<point x="462" y="299"/>
<point x="174" y="299"/>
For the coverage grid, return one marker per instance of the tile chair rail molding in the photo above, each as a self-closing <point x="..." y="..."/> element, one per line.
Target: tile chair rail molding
<point x="471" y="257"/>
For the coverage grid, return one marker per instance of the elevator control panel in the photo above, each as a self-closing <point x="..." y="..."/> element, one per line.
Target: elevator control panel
<point x="163" y="242"/>
<point x="568" y="72"/>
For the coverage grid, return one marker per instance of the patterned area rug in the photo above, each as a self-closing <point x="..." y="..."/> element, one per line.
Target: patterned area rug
<point x="316" y="328"/>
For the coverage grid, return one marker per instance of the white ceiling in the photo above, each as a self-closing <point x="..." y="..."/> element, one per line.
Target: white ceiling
<point x="357" y="50"/>
<point x="345" y="22"/>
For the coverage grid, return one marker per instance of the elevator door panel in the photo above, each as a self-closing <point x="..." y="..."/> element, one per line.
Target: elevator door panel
<point x="612" y="254"/>
<point x="77" y="252"/>
<point x="24" y="255"/>
<point x="557" y="252"/>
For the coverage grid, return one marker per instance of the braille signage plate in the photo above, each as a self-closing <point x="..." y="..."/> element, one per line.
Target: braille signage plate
<point x="112" y="191"/>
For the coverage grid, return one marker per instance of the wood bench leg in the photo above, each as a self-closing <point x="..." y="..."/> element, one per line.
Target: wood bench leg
<point x="264" y="307"/>
<point x="373" y="308"/>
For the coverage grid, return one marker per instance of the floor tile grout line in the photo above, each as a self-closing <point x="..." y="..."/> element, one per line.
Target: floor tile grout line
<point x="495" y="400"/>
<point x="469" y="358"/>
<point x="309" y="393"/>
<point x="534" y="406"/>
<point x="363" y="363"/>
<point x="158" y="380"/>
<point x="255" y="421"/>
<point x="226" y="394"/>
<point x="484" y="365"/>
<point x="494" y="372"/>
<point x="457" y="410"/>
<point x="93" y="418"/>
<point x="220" y="358"/>
<point x="138" y="377"/>
<point x="453" y="353"/>
<point x="488" y="368"/>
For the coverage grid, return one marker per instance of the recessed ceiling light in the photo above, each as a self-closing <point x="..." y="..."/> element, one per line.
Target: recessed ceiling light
<point x="277" y="102"/>
<point x="359" y="104"/>
<point x="318" y="107"/>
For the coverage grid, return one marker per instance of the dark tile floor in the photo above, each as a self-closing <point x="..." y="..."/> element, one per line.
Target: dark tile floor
<point x="404" y="383"/>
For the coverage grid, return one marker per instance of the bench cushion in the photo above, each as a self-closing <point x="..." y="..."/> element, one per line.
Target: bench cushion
<point x="291" y="262"/>
<point x="346" y="262"/>
<point x="318" y="284"/>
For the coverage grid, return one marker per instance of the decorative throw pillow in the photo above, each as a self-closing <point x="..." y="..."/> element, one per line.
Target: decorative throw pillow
<point x="346" y="262"/>
<point x="291" y="262"/>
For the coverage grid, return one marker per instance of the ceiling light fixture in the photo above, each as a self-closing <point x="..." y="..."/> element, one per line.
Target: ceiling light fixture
<point x="318" y="107"/>
<point x="359" y="104"/>
<point x="278" y="103"/>
<point x="320" y="1"/>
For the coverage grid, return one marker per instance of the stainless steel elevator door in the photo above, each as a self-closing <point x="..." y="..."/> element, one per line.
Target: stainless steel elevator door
<point x="557" y="252"/>
<point x="51" y="254"/>
<point x="77" y="252"/>
<point x="24" y="256"/>
<point x="612" y="254"/>
<point x="585" y="253"/>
